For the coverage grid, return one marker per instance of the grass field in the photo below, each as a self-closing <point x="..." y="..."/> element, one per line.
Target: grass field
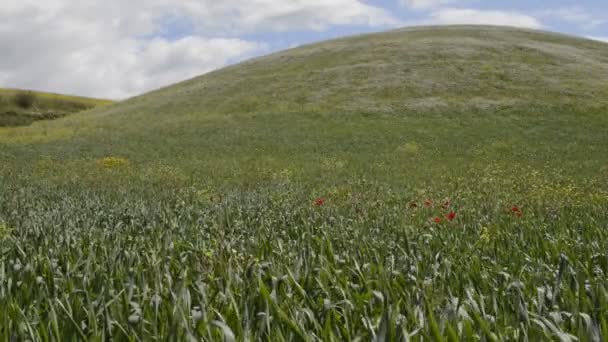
<point x="44" y="106"/>
<point x="422" y="184"/>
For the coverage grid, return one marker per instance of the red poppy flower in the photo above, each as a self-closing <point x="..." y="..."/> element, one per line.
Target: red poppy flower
<point x="451" y="216"/>
<point x="517" y="212"/>
<point x="428" y="203"/>
<point x="319" y="202"/>
<point x="437" y="220"/>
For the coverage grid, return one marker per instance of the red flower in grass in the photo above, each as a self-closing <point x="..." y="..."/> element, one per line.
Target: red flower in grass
<point x="319" y="202"/>
<point x="428" y="203"/>
<point x="451" y="216"/>
<point x="437" y="220"/>
<point x="517" y="212"/>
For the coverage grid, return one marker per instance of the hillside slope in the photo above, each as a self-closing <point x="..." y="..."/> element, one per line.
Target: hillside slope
<point x="403" y="71"/>
<point x="444" y="97"/>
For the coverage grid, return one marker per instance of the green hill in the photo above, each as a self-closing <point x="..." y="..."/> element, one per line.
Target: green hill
<point x="438" y="97"/>
<point x="436" y="183"/>
<point x="23" y="107"/>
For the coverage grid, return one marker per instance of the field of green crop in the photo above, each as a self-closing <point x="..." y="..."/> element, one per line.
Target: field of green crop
<point x="205" y="212"/>
<point x="518" y="258"/>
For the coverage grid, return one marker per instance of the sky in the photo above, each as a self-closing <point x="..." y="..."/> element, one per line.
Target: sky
<point x="120" y="48"/>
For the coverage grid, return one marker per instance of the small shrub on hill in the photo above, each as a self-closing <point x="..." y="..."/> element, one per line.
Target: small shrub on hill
<point x="25" y="100"/>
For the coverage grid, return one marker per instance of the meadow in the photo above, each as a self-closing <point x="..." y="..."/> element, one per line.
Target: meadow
<point x="318" y="207"/>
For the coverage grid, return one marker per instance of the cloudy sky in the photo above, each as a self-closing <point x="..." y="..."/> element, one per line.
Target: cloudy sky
<point x="120" y="48"/>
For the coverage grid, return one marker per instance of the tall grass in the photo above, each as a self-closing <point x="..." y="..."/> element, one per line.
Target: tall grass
<point x="129" y="262"/>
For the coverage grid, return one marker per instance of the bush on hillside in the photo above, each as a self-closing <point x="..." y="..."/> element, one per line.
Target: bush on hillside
<point x="25" y="100"/>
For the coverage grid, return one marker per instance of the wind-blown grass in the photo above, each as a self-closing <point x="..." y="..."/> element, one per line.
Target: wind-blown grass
<point x="368" y="263"/>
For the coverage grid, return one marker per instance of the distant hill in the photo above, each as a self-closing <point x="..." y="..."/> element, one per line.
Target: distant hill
<point x="22" y="107"/>
<point x="436" y="97"/>
<point x="408" y="70"/>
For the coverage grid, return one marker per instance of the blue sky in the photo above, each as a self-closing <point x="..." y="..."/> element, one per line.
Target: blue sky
<point x="116" y="49"/>
<point x="587" y="18"/>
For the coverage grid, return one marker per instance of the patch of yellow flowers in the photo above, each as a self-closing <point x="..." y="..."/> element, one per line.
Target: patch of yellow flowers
<point x="112" y="162"/>
<point x="5" y="231"/>
<point x="485" y="237"/>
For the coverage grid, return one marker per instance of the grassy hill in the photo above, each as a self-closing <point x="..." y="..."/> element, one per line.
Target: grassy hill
<point x="436" y="183"/>
<point x="441" y="97"/>
<point x="40" y="106"/>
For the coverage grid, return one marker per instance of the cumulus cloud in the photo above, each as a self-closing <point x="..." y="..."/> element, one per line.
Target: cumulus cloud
<point x="278" y="15"/>
<point x="117" y="49"/>
<point x="426" y="4"/>
<point x="601" y="39"/>
<point x="454" y="16"/>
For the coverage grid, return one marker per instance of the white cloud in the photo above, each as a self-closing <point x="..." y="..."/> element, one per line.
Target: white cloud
<point x="72" y="57"/>
<point x="601" y="39"/>
<point x="453" y="16"/>
<point x="113" y="48"/>
<point x="443" y="12"/>
<point x="426" y="4"/>
<point x="281" y="15"/>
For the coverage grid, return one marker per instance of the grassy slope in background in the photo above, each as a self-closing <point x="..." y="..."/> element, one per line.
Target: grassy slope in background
<point x="43" y="106"/>
<point x="426" y="183"/>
